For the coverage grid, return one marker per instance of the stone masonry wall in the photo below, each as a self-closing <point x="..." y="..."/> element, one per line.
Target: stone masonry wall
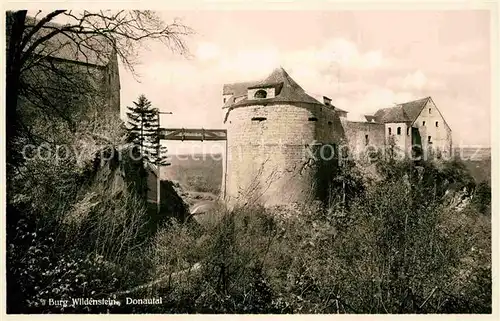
<point x="402" y="140"/>
<point x="356" y="137"/>
<point x="440" y="134"/>
<point x="269" y="158"/>
<point x="113" y="83"/>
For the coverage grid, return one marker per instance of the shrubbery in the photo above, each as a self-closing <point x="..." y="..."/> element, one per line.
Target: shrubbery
<point x="399" y="248"/>
<point x="75" y="228"/>
<point x="394" y="245"/>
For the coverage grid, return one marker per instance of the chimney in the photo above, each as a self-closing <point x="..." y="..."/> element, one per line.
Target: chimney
<point x="327" y="101"/>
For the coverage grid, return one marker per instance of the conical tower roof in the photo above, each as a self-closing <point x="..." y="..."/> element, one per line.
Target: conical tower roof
<point x="286" y="90"/>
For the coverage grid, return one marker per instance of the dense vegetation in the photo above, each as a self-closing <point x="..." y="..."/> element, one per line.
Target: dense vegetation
<point x="418" y="240"/>
<point x="415" y="240"/>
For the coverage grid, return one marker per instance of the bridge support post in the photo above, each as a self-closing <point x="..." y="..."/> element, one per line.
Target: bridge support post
<point x="224" y="173"/>
<point x="158" y="192"/>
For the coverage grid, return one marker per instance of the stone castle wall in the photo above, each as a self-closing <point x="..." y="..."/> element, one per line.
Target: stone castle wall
<point x="273" y="149"/>
<point x="281" y="153"/>
<point x="111" y="84"/>
<point x="356" y="136"/>
<point x="401" y="141"/>
<point x="440" y="134"/>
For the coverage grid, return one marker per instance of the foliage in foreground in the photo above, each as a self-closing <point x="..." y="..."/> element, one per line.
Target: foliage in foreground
<point x="400" y="247"/>
<point x="396" y="250"/>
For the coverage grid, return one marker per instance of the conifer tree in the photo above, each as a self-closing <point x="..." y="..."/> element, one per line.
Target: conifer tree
<point x="144" y="131"/>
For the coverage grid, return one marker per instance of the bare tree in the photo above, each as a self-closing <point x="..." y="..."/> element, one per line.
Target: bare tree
<point x="93" y="36"/>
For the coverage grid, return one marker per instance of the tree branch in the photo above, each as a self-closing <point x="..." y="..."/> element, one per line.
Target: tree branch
<point x="39" y="26"/>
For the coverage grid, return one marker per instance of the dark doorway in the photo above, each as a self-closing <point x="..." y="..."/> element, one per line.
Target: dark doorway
<point x="327" y="167"/>
<point x="416" y="143"/>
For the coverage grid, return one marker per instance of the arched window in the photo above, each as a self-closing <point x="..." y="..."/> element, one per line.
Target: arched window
<point x="437" y="125"/>
<point x="399" y="130"/>
<point x="260" y="94"/>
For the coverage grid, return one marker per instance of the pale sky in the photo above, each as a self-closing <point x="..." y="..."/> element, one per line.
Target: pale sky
<point x="363" y="60"/>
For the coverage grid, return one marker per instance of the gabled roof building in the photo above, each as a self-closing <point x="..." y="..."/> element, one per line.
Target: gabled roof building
<point x="417" y="123"/>
<point x="269" y="122"/>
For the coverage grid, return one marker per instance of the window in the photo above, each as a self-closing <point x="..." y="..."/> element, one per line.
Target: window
<point x="259" y="119"/>
<point x="312" y="119"/>
<point x="389" y="130"/>
<point x="408" y="131"/>
<point x="399" y="131"/>
<point x="437" y="125"/>
<point x="429" y="111"/>
<point x="423" y="123"/>
<point x="429" y="139"/>
<point x="260" y="94"/>
<point x="367" y="140"/>
<point x="224" y="100"/>
<point x="330" y="123"/>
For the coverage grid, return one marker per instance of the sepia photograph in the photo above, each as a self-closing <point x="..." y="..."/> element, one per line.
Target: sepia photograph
<point x="249" y="161"/>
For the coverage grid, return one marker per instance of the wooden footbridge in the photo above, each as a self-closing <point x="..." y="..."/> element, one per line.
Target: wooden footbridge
<point x="195" y="134"/>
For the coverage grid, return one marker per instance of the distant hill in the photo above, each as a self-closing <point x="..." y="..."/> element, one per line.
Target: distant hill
<point x="473" y="153"/>
<point x="203" y="172"/>
<point x="199" y="172"/>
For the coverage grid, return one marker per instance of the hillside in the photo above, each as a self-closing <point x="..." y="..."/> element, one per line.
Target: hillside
<point x="203" y="173"/>
<point x="200" y="173"/>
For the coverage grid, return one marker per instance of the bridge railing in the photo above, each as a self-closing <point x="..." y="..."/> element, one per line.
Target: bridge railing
<point x="197" y="134"/>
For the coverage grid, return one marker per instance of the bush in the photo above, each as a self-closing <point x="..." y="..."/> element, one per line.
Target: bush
<point x="397" y="249"/>
<point x="76" y="228"/>
<point x="482" y="197"/>
<point x="392" y="246"/>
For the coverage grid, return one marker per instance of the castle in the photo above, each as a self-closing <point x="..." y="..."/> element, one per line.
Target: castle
<point x="283" y="145"/>
<point x="89" y="62"/>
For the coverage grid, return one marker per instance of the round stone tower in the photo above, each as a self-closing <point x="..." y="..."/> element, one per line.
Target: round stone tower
<point x="281" y="142"/>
